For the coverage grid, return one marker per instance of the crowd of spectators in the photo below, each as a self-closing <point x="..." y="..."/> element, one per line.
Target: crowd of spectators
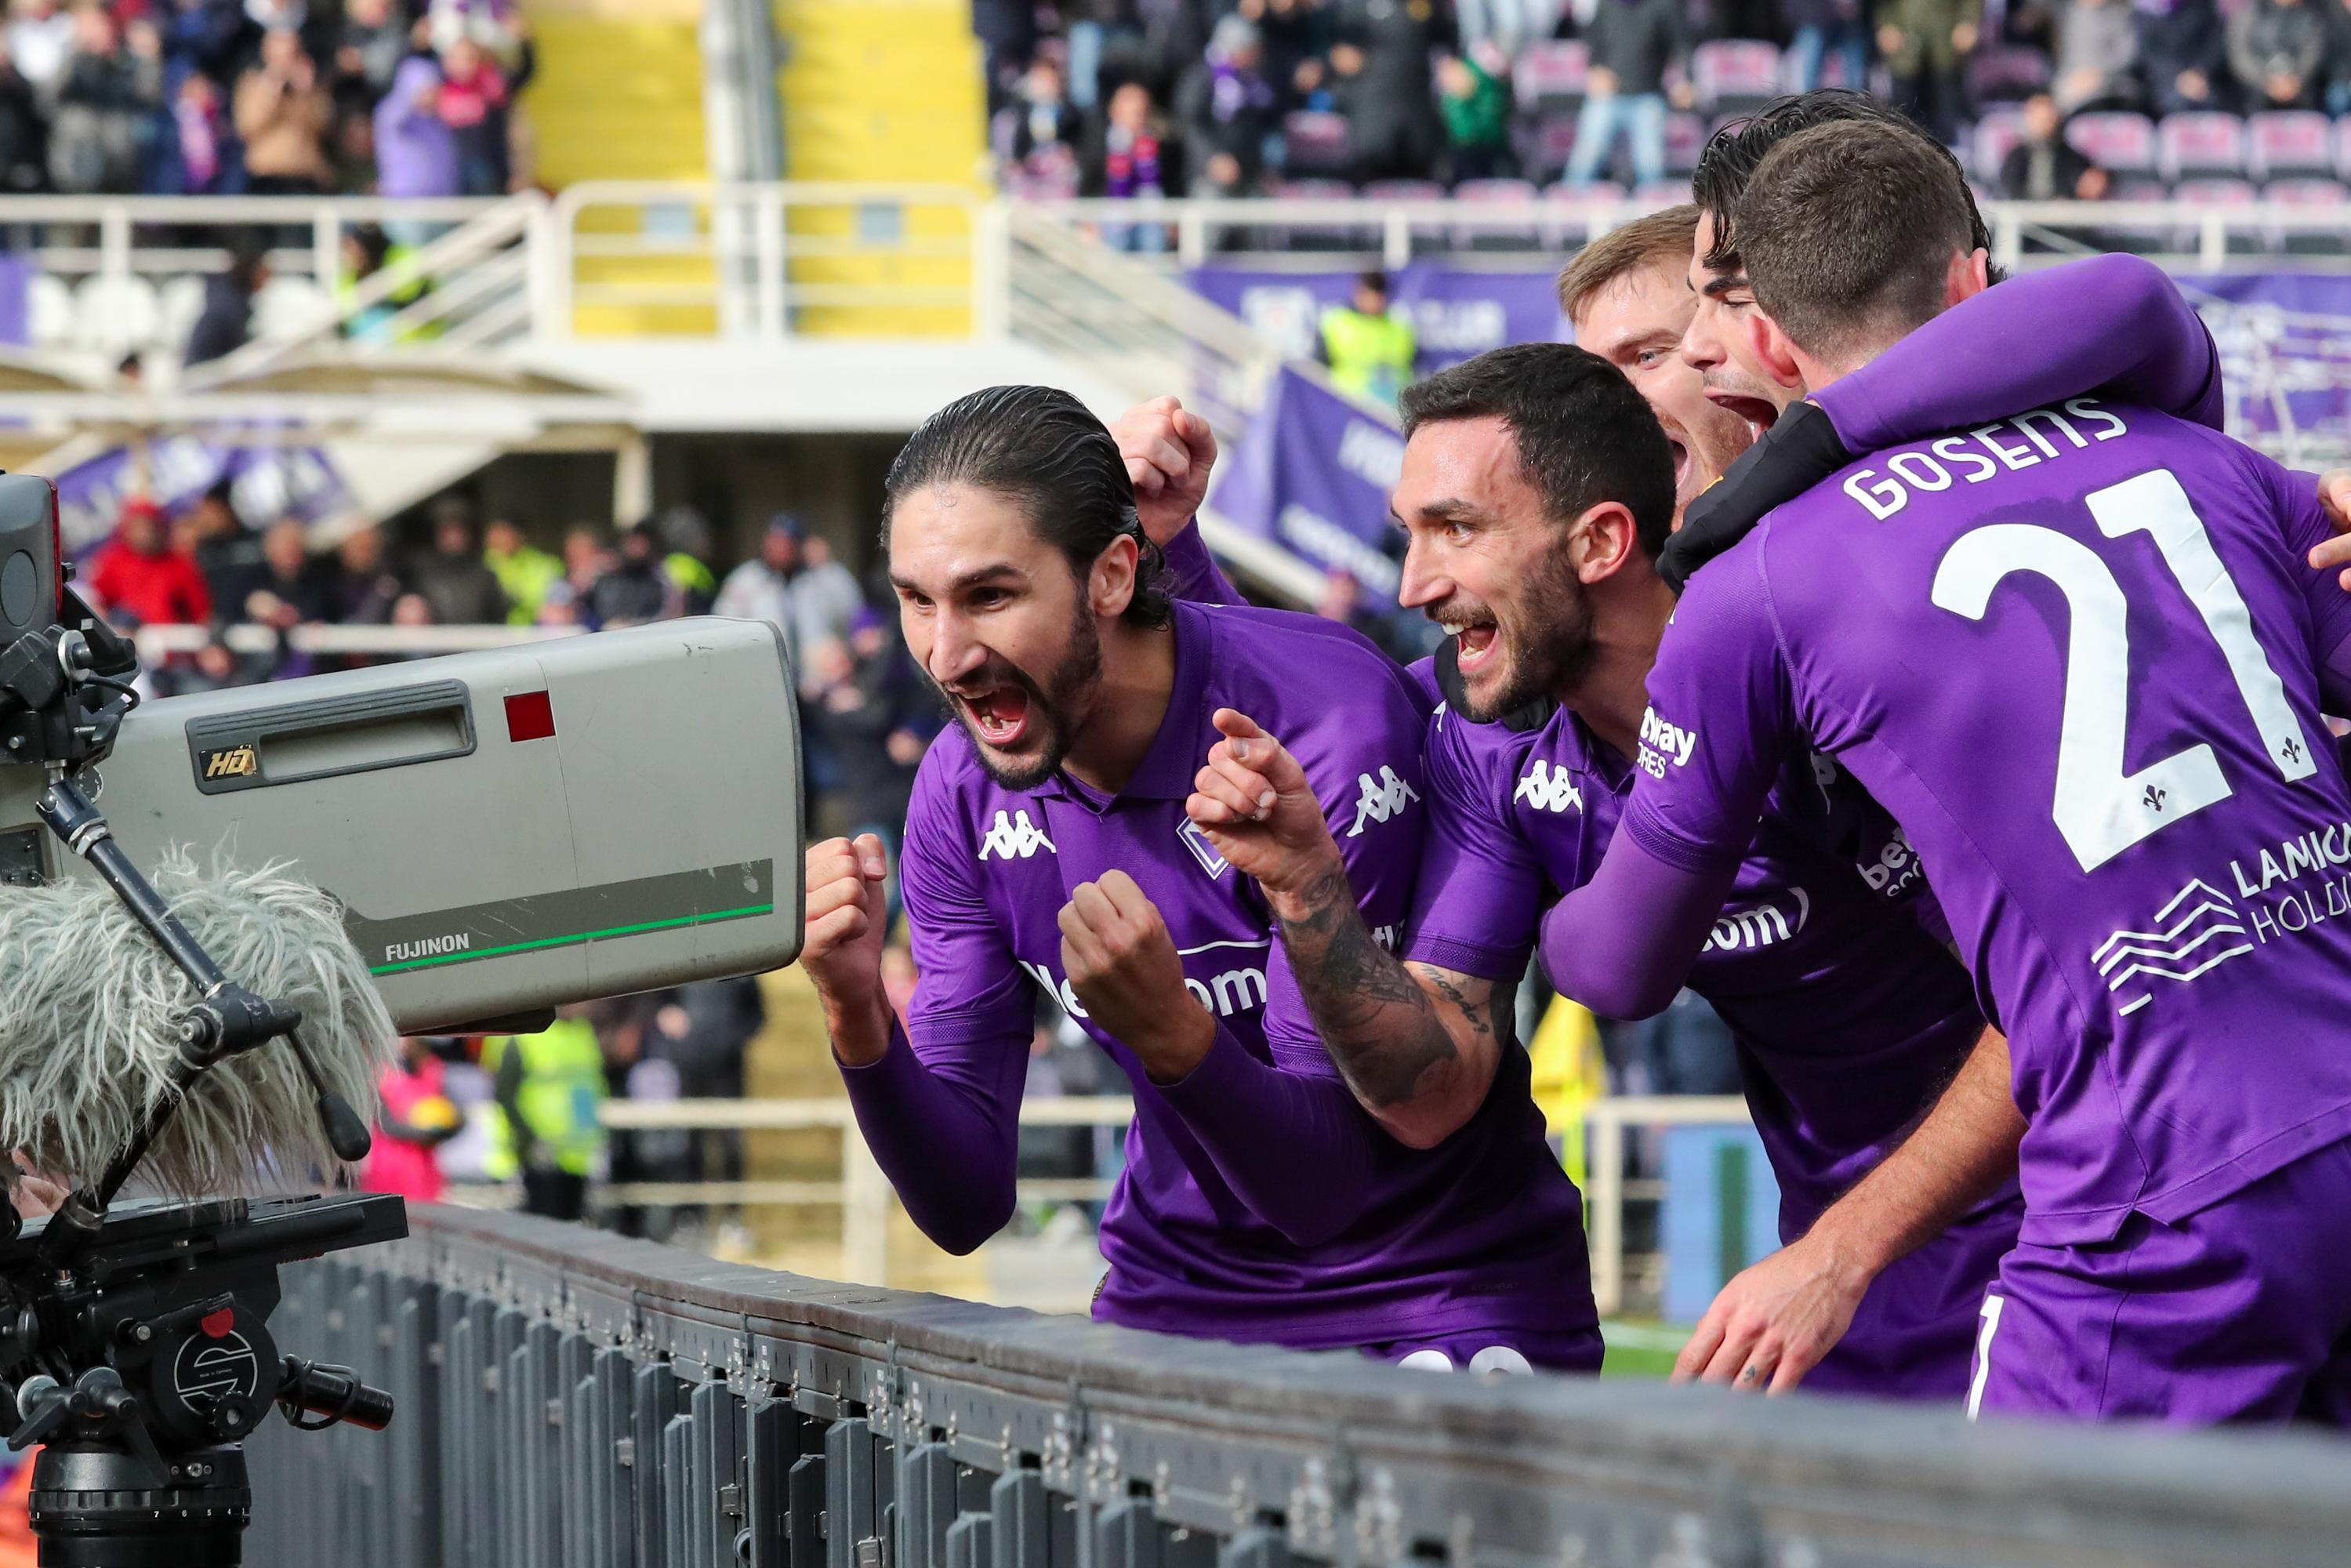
<point x="399" y="98"/>
<point x="1220" y="97"/>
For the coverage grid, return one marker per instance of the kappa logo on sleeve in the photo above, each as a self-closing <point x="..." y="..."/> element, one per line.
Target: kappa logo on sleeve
<point x="1015" y="837"/>
<point x="1382" y="797"/>
<point x="1549" y="789"/>
<point x="1664" y="742"/>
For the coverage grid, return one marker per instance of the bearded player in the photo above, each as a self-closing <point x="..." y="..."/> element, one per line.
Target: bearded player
<point x="1046" y="845"/>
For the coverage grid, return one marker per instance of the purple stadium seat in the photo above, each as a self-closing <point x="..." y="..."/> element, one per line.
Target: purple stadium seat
<point x="2343" y="148"/>
<point x="2000" y="74"/>
<point x="1570" y="235"/>
<point x="2201" y="143"/>
<point x="1545" y="146"/>
<point x="1685" y="139"/>
<point x="1733" y="76"/>
<point x="1410" y="191"/>
<point x="2326" y="193"/>
<point x="2215" y="193"/>
<point x="1996" y="135"/>
<point x="1315" y="142"/>
<point x="2119" y="142"/>
<point x="1489" y="195"/>
<point x="1549" y="76"/>
<point x="1319" y="236"/>
<point x="2138" y="237"/>
<point x="1663" y="193"/>
<point x="2281" y="143"/>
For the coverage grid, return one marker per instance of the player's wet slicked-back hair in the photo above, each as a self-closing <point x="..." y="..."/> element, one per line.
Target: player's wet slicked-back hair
<point x="1047" y="451"/>
<point x="1847" y="234"/>
<point x="1585" y="436"/>
<point x="1734" y="153"/>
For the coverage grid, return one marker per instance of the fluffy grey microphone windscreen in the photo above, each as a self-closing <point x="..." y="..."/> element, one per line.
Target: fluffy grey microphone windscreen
<point x="89" y="1015"/>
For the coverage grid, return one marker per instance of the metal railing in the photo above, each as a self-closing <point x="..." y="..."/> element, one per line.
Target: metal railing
<point x="578" y="1399"/>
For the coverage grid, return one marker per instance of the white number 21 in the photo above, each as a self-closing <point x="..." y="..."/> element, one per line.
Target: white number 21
<point x="2100" y="809"/>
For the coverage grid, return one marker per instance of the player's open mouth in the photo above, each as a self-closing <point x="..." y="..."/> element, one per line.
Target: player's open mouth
<point x="999" y="715"/>
<point x="1759" y="414"/>
<point x="1473" y="646"/>
<point x="1681" y="463"/>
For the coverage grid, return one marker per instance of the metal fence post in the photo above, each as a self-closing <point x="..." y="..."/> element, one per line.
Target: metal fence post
<point x="864" y="1212"/>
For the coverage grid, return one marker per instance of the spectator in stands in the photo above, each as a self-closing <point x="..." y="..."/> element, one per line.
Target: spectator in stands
<point x="296" y="589"/>
<point x="24" y="136"/>
<point x="40" y="37"/>
<point x="2043" y="166"/>
<point x="687" y="545"/>
<point x="415" y="151"/>
<point x="1008" y="31"/>
<point x="366" y="589"/>
<point x="368" y="52"/>
<point x="874" y="708"/>
<point x="2338" y="94"/>
<point x="414" y="1116"/>
<point x="1508" y="24"/>
<point x="1036" y="137"/>
<point x="206" y="36"/>
<point x="1819" y="28"/>
<point x="215" y="666"/>
<point x="1475" y="105"/>
<point x="225" y="324"/>
<point x="2276" y="49"/>
<point x="107" y="95"/>
<point x="826" y="600"/>
<point x="283" y="112"/>
<point x="1298" y="35"/>
<point x="1369" y="344"/>
<point x="549" y="1088"/>
<point x="1926" y="45"/>
<point x="196" y="153"/>
<point x="1227" y="110"/>
<point x="473" y="104"/>
<point x="1131" y="157"/>
<point x="2097" y="64"/>
<point x="761" y="589"/>
<point x="1384" y="83"/>
<point x="2183" y="54"/>
<point x="587" y="556"/>
<point x="229" y="553"/>
<point x="705" y="1032"/>
<point x="634" y="590"/>
<point x="524" y="573"/>
<point x="453" y="579"/>
<point x="141" y="581"/>
<point x="1633" y="43"/>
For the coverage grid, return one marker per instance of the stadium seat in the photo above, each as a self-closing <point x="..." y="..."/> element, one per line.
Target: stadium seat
<point x="1314" y="143"/>
<point x="1545" y="145"/>
<point x="115" y="314"/>
<point x="2330" y="195"/>
<point x="2003" y="74"/>
<point x="2285" y="143"/>
<point x="1319" y="236"/>
<point x="2206" y="143"/>
<point x="1685" y="140"/>
<point x="2216" y="192"/>
<point x="2118" y="142"/>
<point x="1995" y="136"/>
<point x="48" y="310"/>
<point x="289" y="305"/>
<point x="1489" y="195"/>
<point x="178" y="302"/>
<point x="2142" y="239"/>
<point x="1549" y="76"/>
<point x="1428" y="233"/>
<point x="1662" y="194"/>
<point x="2343" y="148"/>
<point x="1735" y="76"/>
<point x="1570" y="235"/>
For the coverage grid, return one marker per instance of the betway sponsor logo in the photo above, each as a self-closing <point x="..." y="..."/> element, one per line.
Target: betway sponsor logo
<point x="1013" y="836"/>
<point x="1759" y="925"/>
<point x="1548" y="788"/>
<point x="1319" y="537"/>
<point x="1382" y="797"/>
<point x="1896" y="867"/>
<point x="1664" y="742"/>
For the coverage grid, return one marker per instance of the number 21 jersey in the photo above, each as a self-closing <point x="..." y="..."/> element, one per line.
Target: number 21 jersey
<point x="2078" y="655"/>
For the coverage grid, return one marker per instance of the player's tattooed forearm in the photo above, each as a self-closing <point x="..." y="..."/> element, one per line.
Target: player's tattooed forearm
<point x="1471" y="1010"/>
<point x="1355" y="989"/>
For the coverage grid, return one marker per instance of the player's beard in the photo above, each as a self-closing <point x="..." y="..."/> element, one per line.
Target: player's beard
<point x="1544" y="644"/>
<point x="1054" y="705"/>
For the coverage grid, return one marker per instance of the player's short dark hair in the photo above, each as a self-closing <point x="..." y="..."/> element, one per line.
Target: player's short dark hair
<point x="1045" y="450"/>
<point x="1734" y="153"/>
<point x="1848" y="232"/>
<point x="1651" y="238"/>
<point x="1585" y="436"/>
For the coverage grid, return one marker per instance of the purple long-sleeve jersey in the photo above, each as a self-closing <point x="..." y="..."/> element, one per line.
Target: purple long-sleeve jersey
<point x="2078" y="654"/>
<point x="1259" y="1202"/>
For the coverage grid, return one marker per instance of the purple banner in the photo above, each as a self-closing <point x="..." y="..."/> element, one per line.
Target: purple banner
<point x="16" y="306"/>
<point x="1313" y="474"/>
<point x="267" y="485"/>
<point x="2285" y="351"/>
<point x="1457" y="313"/>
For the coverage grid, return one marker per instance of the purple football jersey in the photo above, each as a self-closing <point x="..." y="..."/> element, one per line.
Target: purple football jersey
<point x="1848" y="1014"/>
<point x="2076" y="653"/>
<point x="1481" y="1233"/>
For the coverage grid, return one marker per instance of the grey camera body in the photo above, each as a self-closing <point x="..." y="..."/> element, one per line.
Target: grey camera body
<point x="507" y="830"/>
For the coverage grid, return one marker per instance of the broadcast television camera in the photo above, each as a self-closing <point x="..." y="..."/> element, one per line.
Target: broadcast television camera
<point x="505" y="831"/>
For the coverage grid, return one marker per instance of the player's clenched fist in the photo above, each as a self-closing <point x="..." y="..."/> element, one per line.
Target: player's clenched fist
<point x="1253" y="801"/>
<point x="1169" y="452"/>
<point x="1126" y="972"/>
<point x="841" y="942"/>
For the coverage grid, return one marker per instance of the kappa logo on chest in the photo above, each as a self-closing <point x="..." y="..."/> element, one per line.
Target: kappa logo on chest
<point x="1013" y="836"/>
<point x="1548" y="788"/>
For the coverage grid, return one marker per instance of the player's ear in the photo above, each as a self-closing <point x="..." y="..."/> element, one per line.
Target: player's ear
<point x="1968" y="275"/>
<point x="1602" y="539"/>
<point x="1110" y="587"/>
<point x="1775" y="350"/>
